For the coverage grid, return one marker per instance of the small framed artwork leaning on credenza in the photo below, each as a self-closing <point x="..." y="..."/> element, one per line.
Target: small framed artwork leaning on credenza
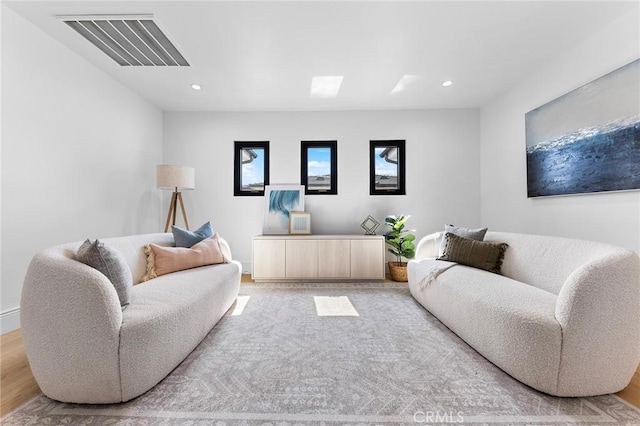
<point x="299" y="223"/>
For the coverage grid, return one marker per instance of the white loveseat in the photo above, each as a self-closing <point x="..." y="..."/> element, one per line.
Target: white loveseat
<point x="563" y="317"/>
<point x="83" y="347"/>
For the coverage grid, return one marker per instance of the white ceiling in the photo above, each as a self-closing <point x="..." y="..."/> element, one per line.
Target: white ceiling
<point x="261" y="56"/>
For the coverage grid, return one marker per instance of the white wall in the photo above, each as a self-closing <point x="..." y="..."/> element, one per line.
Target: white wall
<point x="442" y="167"/>
<point x="79" y="152"/>
<point x="608" y="217"/>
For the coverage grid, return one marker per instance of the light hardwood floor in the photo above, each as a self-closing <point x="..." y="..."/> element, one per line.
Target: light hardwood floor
<point x="17" y="385"/>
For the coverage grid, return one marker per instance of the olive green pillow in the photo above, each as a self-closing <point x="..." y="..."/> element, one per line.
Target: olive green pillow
<point x="478" y="254"/>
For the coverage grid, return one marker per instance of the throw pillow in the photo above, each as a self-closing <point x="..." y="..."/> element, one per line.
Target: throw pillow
<point x="111" y="263"/>
<point x="474" y="234"/>
<point x="164" y="260"/>
<point x="478" y="254"/>
<point x="186" y="238"/>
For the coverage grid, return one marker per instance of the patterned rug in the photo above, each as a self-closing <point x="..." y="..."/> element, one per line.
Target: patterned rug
<point x="280" y="363"/>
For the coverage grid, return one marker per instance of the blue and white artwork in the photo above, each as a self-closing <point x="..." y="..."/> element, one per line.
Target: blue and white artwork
<point x="587" y="140"/>
<point x="280" y="201"/>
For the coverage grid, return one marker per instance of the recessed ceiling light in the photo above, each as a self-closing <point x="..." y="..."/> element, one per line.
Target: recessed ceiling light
<point x="196" y="86"/>
<point x="405" y="81"/>
<point x="326" y="86"/>
<point x="447" y="83"/>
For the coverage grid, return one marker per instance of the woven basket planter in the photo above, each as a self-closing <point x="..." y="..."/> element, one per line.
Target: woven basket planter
<point x="398" y="271"/>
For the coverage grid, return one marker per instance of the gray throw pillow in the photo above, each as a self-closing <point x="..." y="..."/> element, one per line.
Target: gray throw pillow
<point x="111" y="263"/>
<point x="474" y="234"/>
<point x="478" y="254"/>
<point x="187" y="239"/>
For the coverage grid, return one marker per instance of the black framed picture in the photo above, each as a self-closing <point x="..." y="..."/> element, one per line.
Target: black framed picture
<point x="387" y="167"/>
<point x="319" y="167"/>
<point x="251" y="168"/>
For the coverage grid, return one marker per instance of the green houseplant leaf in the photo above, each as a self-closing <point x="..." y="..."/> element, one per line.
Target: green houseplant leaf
<point x="399" y="239"/>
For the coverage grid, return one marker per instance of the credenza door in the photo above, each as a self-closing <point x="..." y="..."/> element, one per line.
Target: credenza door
<point x="268" y="259"/>
<point x="302" y="259"/>
<point x="334" y="258"/>
<point x="367" y="259"/>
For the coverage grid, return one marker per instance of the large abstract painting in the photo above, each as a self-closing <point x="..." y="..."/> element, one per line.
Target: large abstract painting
<point x="280" y="200"/>
<point x="587" y="140"/>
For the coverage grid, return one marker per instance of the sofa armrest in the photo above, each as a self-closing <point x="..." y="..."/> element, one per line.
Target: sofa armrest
<point x="598" y="309"/>
<point x="429" y="246"/>
<point x="70" y="319"/>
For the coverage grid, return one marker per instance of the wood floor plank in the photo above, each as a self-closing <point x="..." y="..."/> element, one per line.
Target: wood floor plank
<point x="631" y="393"/>
<point x="17" y="384"/>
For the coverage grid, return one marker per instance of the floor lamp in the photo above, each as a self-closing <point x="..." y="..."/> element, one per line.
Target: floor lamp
<point x="177" y="179"/>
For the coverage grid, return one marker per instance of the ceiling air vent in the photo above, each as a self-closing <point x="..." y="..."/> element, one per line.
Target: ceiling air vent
<point x="129" y="40"/>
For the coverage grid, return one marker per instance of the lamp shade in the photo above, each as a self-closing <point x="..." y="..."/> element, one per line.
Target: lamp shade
<point x="172" y="177"/>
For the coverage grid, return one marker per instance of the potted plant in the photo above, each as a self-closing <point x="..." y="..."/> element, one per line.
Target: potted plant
<point x="402" y="245"/>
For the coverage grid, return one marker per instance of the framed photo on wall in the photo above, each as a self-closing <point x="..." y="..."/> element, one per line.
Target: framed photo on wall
<point x="280" y="200"/>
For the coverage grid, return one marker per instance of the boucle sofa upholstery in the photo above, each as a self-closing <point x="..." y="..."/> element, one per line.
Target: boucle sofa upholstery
<point x="563" y="317"/>
<point x="84" y="348"/>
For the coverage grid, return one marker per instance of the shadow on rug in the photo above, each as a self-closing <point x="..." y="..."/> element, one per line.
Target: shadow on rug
<point x="278" y="362"/>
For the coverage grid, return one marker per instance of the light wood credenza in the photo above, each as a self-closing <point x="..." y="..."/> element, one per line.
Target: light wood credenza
<point x="318" y="257"/>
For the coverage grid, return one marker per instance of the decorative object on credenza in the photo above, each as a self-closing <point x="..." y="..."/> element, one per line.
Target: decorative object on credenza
<point x="279" y="201"/>
<point x="370" y="225"/>
<point x="402" y="245"/>
<point x="177" y="179"/>
<point x="587" y="140"/>
<point x="299" y="223"/>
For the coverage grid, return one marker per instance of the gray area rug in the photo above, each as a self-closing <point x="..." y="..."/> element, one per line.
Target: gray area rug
<point x="280" y="363"/>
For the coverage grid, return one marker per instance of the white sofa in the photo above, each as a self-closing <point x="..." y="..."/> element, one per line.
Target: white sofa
<point x="84" y="348"/>
<point x="563" y="317"/>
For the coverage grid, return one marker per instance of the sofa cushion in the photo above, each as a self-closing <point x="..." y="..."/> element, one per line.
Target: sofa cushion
<point x="511" y="323"/>
<point x="187" y="239"/>
<point x="478" y="254"/>
<point x="167" y="319"/>
<point x="474" y="234"/>
<point x="164" y="260"/>
<point x="546" y="262"/>
<point x="111" y="263"/>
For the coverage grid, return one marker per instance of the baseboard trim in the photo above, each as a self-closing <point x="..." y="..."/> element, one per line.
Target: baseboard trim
<point x="10" y="320"/>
